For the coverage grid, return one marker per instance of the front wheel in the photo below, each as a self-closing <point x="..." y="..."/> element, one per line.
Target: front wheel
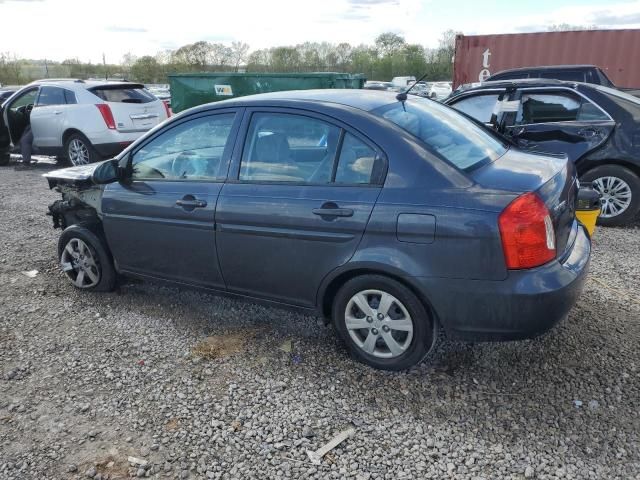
<point x="79" y="150"/>
<point x="619" y="189"/>
<point x="383" y="323"/>
<point x="85" y="260"/>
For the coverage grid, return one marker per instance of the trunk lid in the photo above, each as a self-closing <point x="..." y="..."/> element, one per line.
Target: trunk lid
<point x="552" y="178"/>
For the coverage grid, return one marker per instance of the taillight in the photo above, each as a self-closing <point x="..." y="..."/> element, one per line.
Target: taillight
<point x="528" y="237"/>
<point x="107" y="115"/>
<point x="166" y="108"/>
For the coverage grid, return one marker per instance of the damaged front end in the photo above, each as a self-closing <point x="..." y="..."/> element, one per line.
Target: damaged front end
<point x="81" y="189"/>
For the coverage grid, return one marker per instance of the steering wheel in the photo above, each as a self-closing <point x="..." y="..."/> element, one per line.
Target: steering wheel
<point x="185" y="165"/>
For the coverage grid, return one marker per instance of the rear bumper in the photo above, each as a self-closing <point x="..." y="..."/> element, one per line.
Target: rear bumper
<point x="527" y="304"/>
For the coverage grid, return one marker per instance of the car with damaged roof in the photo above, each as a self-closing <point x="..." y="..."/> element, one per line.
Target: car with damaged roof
<point x="597" y="127"/>
<point x="391" y="215"/>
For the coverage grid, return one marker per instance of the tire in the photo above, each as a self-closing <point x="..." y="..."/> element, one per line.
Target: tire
<point x="79" y="249"/>
<point x="78" y="150"/>
<point x="405" y="307"/>
<point x="5" y="158"/>
<point x="628" y="192"/>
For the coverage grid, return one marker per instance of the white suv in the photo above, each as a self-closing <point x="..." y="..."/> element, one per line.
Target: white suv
<point x="81" y="121"/>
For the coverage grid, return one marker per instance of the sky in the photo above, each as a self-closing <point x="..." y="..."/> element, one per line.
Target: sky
<point x="85" y="29"/>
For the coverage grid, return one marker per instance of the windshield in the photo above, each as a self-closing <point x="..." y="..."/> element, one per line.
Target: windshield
<point x="445" y="132"/>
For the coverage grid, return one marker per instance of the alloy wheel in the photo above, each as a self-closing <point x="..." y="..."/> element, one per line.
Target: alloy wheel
<point x="78" y="152"/>
<point x="615" y="195"/>
<point x="79" y="264"/>
<point x="379" y="324"/>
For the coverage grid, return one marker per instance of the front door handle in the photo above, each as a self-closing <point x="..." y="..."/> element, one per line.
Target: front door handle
<point x="57" y="112"/>
<point x="331" y="209"/>
<point x="189" y="203"/>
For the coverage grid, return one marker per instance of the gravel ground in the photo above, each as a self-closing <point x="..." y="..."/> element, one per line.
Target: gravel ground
<point x="203" y="387"/>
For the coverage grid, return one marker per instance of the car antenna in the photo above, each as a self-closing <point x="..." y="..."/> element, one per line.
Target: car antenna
<point x="402" y="96"/>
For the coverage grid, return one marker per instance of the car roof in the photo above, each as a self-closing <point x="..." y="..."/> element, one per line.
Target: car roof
<point x="544" y="67"/>
<point x="526" y="82"/>
<point x="75" y="83"/>
<point x="362" y="99"/>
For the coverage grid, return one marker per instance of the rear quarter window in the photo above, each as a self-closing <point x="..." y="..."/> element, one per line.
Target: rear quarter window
<point x="123" y="94"/>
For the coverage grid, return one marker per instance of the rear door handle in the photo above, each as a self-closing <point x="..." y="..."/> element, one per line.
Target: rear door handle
<point x="331" y="209"/>
<point x="57" y="112"/>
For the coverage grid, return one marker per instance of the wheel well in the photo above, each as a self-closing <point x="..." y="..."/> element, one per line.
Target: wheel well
<point x="340" y="280"/>
<point x="588" y="166"/>
<point x="68" y="133"/>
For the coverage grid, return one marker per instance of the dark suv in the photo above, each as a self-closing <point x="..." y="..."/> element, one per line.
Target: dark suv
<point x="597" y="127"/>
<point x="568" y="73"/>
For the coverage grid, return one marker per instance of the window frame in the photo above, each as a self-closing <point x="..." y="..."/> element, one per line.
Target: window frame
<point x="225" y="160"/>
<point x="552" y="90"/>
<point x="241" y="144"/>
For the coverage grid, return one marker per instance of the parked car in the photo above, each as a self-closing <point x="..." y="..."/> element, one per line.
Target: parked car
<point x="439" y="90"/>
<point x="569" y="73"/>
<point x="6" y="92"/>
<point x="81" y="121"/>
<point x="393" y="218"/>
<point x="377" y="85"/>
<point x="596" y="126"/>
<point x="403" y="82"/>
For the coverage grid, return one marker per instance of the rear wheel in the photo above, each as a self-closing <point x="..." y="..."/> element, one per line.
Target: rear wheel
<point x="79" y="150"/>
<point x="383" y="323"/>
<point x="619" y="188"/>
<point x="85" y="260"/>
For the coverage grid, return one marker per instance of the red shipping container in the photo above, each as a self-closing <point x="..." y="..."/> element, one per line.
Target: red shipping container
<point x="616" y="52"/>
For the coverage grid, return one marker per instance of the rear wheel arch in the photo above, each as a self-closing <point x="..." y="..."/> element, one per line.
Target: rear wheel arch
<point x="585" y="166"/>
<point x="68" y="132"/>
<point x="334" y="282"/>
<point x="628" y="174"/>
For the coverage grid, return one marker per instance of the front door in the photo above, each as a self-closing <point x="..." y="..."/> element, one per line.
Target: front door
<point x="16" y="113"/>
<point x="302" y="192"/>
<point x="161" y="223"/>
<point x="558" y="121"/>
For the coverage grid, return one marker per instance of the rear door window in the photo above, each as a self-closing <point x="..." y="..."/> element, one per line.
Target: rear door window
<point x="123" y="94"/>
<point x="51" y="96"/>
<point x="283" y="147"/>
<point x="70" y="97"/>
<point x="557" y="107"/>
<point x="479" y="107"/>
<point x="358" y="163"/>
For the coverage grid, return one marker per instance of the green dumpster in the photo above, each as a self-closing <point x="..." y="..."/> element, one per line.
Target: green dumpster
<point x="191" y="89"/>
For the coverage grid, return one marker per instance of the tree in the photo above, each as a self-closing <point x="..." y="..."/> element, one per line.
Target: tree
<point x="389" y="43"/>
<point x="238" y="54"/>
<point x="146" y="70"/>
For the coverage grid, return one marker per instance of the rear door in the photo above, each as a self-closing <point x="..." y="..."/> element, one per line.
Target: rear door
<point x="557" y="121"/>
<point x="161" y="222"/>
<point x="288" y="216"/>
<point x="48" y="117"/>
<point x="134" y="109"/>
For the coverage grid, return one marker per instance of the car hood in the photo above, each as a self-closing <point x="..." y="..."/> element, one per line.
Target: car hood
<point x="81" y="176"/>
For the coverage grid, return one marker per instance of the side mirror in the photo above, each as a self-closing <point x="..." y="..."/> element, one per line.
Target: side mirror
<point x="106" y="172"/>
